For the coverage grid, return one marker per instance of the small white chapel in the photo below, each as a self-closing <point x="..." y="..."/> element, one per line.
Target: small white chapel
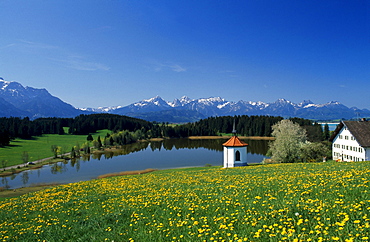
<point x="235" y="152"/>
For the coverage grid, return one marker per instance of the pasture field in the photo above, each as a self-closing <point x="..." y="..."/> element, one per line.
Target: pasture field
<point x="280" y="202"/>
<point x="40" y="147"/>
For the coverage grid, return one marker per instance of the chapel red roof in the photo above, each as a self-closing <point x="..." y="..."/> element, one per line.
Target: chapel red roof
<point x="234" y="142"/>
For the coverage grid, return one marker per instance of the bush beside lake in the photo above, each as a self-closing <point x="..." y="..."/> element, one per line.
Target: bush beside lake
<point x="280" y="202"/>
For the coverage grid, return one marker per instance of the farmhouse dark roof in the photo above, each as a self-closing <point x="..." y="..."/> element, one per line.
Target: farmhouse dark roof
<point x="359" y="129"/>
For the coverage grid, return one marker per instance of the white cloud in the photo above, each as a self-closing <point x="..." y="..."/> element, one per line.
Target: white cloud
<point x="23" y="45"/>
<point x="227" y="71"/>
<point x="30" y="44"/>
<point x="7" y="46"/>
<point x="162" y="66"/>
<point x="58" y="54"/>
<point x="79" y="63"/>
<point x="177" y="68"/>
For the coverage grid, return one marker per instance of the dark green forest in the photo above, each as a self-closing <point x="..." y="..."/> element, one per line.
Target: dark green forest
<point x="135" y="129"/>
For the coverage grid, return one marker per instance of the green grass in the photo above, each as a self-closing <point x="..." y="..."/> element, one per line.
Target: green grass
<point x="225" y="134"/>
<point x="282" y="202"/>
<point x="40" y="147"/>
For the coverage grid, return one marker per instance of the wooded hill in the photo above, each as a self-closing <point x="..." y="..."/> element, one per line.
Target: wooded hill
<point x="11" y="128"/>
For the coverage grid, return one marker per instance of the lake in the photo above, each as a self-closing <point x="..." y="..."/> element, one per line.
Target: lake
<point x="332" y="126"/>
<point x="171" y="153"/>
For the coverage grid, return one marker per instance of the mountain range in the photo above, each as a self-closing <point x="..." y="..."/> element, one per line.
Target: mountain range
<point x="186" y="109"/>
<point x="19" y="101"/>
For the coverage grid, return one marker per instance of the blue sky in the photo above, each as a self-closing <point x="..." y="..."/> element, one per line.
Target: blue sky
<point x="107" y="53"/>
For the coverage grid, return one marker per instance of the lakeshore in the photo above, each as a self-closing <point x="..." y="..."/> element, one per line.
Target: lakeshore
<point x="166" y="154"/>
<point x="6" y="171"/>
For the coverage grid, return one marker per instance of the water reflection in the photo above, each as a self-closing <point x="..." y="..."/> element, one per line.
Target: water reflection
<point x="4" y="181"/>
<point x="25" y="177"/>
<point x="59" y="167"/>
<point x="259" y="147"/>
<point x="254" y="146"/>
<point x="164" y="154"/>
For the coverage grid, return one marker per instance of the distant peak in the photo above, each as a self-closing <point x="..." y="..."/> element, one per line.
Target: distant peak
<point x="307" y="101"/>
<point x="153" y="99"/>
<point x="212" y="99"/>
<point x="185" y="98"/>
<point x="282" y="100"/>
<point x="333" y="102"/>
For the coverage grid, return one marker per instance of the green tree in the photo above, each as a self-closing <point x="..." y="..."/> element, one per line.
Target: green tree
<point x="55" y="149"/>
<point x="4" y="138"/>
<point x="311" y="152"/>
<point x="86" y="148"/>
<point x="25" y="157"/>
<point x="3" y="163"/>
<point x="326" y="133"/>
<point x="77" y="149"/>
<point x="96" y="144"/>
<point x="89" y="138"/>
<point x="289" y="137"/>
<point x="73" y="153"/>
<point x="111" y="141"/>
<point x="99" y="141"/>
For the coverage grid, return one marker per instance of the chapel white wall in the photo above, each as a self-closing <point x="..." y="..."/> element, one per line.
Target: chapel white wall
<point x="229" y="156"/>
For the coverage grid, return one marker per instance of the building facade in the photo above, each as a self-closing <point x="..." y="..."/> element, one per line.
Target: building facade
<point x="351" y="141"/>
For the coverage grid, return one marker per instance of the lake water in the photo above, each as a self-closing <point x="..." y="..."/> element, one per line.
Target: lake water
<point x="332" y="126"/>
<point x="172" y="153"/>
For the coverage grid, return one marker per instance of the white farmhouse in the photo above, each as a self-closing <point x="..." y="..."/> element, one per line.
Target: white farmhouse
<point x="351" y="141"/>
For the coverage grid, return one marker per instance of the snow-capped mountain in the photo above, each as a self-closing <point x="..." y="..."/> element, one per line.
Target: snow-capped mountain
<point x="19" y="101"/>
<point x="144" y="106"/>
<point x="101" y="109"/>
<point x="151" y="109"/>
<point x="180" y="102"/>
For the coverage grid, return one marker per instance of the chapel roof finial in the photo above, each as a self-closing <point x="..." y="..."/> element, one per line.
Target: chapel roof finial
<point x="234" y="130"/>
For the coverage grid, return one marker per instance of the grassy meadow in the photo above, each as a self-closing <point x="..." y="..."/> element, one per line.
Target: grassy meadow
<point x="281" y="202"/>
<point x="40" y="147"/>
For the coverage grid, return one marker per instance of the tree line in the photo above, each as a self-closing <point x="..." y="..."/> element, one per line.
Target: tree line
<point x="135" y="129"/>
<point x="14" y="127"/>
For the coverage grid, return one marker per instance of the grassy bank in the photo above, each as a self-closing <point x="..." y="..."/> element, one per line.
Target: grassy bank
<point x="5" y="194"/>
<point x="283" y="202"/>
<point x="40" y="147"/>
